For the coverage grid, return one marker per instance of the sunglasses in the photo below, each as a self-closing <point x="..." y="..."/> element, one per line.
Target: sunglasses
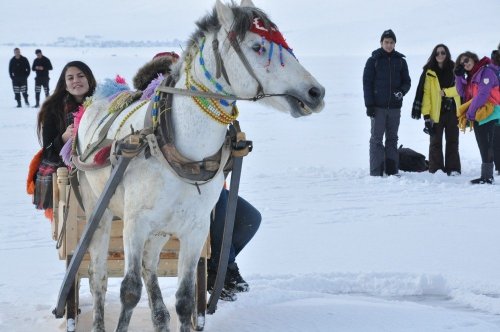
<point x="438" y="53"/>
<point x="464" y="61"/>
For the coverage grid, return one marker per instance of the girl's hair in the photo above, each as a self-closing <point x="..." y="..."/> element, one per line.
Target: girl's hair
<point x="495" y="57"/>
<point x="469" y="55"/>
<point x="55" y="103"/>
<point x="432" y="62"/>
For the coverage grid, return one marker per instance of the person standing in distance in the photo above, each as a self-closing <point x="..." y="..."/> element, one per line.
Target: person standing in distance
<point x="385" y="82"/>
<point x="41" y="66"/>
<point x="495" y="60"/>
<point x="439" y="104"/>
<point x="19" y="70"/>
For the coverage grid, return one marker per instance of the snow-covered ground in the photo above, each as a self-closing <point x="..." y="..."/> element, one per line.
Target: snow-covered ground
<point x="338" y="250"/>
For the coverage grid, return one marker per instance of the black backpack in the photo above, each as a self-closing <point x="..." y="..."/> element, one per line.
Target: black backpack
<point x="412" y="161"/>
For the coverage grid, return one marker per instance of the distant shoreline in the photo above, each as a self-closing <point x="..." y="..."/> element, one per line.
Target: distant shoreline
<point x="97" y="42"/>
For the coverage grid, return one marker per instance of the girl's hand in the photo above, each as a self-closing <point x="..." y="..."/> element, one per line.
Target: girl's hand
<point x="68" y="133"/>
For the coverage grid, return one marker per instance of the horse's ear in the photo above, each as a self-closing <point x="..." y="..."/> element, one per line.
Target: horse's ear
<point x="225" y="15"/>
<point x="247" y="3"/>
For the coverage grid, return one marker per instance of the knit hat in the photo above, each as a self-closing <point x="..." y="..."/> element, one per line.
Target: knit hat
<point x="38" y="51"/>
<point x="388" y="34"/>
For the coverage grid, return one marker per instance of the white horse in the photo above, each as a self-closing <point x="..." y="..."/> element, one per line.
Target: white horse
<point x="150" y="199"/>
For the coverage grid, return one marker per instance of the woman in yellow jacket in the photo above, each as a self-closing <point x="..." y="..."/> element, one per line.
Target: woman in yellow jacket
<point x="439" y="104"/>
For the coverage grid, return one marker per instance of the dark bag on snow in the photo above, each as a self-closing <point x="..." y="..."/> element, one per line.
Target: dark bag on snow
<point x="412" y="161"/>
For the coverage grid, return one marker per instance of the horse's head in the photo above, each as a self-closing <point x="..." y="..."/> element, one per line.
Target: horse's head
<point x="249" y="57"/>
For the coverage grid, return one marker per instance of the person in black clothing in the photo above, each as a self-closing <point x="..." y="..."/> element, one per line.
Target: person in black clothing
<point x="19" y="70"/>
<point x="385" y="82"/>
<point x="55" y="124"/>
<point x="41" y="65"/>
<point x="246" y="223"/>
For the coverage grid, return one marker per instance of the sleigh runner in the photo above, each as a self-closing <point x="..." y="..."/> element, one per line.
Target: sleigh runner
<point x="68" y="226"/>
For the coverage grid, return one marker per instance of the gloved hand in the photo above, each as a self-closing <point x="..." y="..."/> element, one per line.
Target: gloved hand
<point x="398" y="95"/>
<point x="470" y="115"/>
<point x="429" y="126"/>
<point x="370" y="111"/>
<point x="459" y="70"/>
<point x="416" y="112"/>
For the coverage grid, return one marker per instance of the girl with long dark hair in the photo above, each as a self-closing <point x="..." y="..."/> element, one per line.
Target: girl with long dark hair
<point x="440" y="101"/>
<point x="55" y="125"/>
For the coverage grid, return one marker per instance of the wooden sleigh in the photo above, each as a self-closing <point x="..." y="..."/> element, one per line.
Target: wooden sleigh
<point x="67" y="227"/>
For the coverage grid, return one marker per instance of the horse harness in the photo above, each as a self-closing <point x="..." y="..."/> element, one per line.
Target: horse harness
<point x="157" y="139"/>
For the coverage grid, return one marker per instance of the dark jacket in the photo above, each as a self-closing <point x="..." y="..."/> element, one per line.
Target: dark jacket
<point x="43" y="62"/>
<point x="19" y="69"/>
<point x="384" y="74"/>
<point x="52" y="130"/>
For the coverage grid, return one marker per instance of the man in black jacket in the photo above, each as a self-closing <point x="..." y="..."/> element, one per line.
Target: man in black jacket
<point x="41" y="65"/>
<point x="385" y="81"/>
<point x="19" y="70"/>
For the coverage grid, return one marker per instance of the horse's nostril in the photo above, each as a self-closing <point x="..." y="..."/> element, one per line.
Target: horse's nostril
<point x="316" y="93"/>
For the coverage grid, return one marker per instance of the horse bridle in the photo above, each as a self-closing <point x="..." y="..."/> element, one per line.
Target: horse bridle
<point x="221" y="71"/>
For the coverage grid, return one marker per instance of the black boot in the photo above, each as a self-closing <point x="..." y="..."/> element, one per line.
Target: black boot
<point x="26" y="102"/>
<point x="37" y="99"/>
<point x="391" y="167"/>
<point x="226" y="294"/>
<point x="486" y="174"/>
<point x="234" y="281"/>
<point x="379" y="171"/>
<point x="18" y="99"/>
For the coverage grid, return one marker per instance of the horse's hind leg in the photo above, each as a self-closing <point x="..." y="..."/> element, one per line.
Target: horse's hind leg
<point x="159" y="313"/>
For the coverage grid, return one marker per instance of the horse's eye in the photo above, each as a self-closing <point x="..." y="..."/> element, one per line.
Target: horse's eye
<point x="258" y="48"/>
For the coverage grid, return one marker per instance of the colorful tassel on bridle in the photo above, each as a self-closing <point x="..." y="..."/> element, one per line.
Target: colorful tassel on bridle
<point x="102" y="155"/>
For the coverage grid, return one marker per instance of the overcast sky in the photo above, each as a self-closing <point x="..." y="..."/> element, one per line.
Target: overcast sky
<point x="315" y="26"/>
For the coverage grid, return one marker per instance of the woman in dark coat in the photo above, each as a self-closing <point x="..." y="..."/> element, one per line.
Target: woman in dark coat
<point x="55" y="124"/>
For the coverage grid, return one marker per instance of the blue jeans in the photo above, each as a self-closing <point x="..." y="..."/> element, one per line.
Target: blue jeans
<point x="246" y="223"/>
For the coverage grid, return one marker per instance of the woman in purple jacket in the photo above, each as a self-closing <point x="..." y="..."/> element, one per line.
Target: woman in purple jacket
<point x="476" y="81"/>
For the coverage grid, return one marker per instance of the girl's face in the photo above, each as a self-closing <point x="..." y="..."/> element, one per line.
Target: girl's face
<point x="440" y="55"/>
<point x="467" y="62"/>
<point x="76" y="83"/>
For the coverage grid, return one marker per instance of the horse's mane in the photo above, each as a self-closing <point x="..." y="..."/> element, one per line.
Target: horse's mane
<point x="243" y="18"/>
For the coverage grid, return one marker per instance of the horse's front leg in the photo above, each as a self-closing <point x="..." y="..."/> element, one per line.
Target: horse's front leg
<point x="159" y="313"/>
<point x="98" y="249"/>
<point x="98" y="270"/>
<point x="134" y="237"/>
<point x="190" y="250"/>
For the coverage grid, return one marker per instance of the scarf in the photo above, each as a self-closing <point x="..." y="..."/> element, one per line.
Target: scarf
<point x="416" y="111"/>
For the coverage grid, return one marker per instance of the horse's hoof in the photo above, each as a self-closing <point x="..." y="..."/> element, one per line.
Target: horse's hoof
<point x="70" y="325"/>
